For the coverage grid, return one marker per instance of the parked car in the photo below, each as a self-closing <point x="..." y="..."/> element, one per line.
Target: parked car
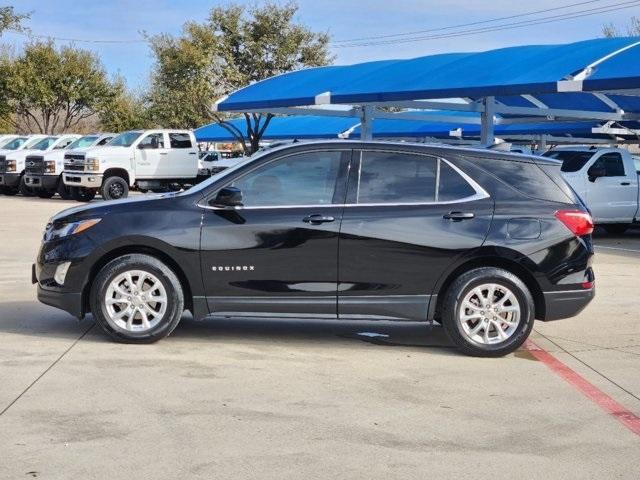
<point x="606" y="179"/>
<point x="154" y="160"/>
<point x="12" y="166"/>
<point x="482" y="242"/>
<point x="43" y="173"/>
<point x="213" y="162"/>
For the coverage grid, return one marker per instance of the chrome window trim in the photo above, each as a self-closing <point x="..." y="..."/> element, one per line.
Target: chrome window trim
<point x="480" y="194"/>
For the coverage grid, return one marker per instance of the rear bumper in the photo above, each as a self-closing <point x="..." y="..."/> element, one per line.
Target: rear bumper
<point x="9" y="179"/>
<point x="567" y="303"/>
<point x="80" y="179"/>
<point x="48" y="182"/>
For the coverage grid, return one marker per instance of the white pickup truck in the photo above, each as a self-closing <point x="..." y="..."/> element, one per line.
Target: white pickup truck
<point x="43" y="173"/>
<point x="607" y="181"/>
<point x="12" y="166"/>
<point x="156" y="160"/>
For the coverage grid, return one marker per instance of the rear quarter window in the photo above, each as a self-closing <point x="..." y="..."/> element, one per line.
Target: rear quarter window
<point x="528" y="178"/>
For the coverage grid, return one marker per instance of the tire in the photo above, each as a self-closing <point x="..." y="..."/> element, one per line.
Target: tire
<point x="10" y="191"/>
<point x="63" y="191"/>
<point x="81" y="194"/>
<point x="615" y="228"/>
<point x="114" y="188"/>
<point x="138" y="266"/>
<point x="45" y="193"/>
<point x="486" y="342"/>
<point x="24" y="190"/>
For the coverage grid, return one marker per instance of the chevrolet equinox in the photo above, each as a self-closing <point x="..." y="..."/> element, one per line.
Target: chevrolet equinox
<point x="481" y="242"/>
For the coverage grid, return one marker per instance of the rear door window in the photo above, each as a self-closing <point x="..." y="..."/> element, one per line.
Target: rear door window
<point x="451" y="185"/>
<point x="180" y="140"/>
<point x="396" y="177"/>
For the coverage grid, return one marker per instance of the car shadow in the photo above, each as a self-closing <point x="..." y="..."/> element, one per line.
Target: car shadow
<point x="36" y="320"/>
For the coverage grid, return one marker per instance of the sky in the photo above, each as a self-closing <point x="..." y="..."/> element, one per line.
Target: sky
<point x="342" y="19"/>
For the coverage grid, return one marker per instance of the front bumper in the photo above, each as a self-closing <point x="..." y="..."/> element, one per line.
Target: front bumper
<point x="82" y="179"/>
<point x="47" y="182"/>
<point x="67" y="301"/>
<point x="10" y="180"/>
<point x="566" y="303"/>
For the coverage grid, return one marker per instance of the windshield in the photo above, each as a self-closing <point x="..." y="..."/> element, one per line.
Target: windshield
<point x="125" y="139"/>
<point x="83" y="142"/>
<point x="14" y="144"/>
<point x="44" y="143"/>
<point x="572" y="160"/>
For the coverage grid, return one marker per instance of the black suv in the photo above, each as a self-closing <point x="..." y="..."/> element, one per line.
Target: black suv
<point x="482" y="242"/>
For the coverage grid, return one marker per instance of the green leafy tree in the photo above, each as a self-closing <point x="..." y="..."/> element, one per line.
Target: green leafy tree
<point x="632" y="30"/>
<point x="124" y="111"/>
<point x="54" y="90"/>
<point x="10" y="20"/>
<point x="234" y="47"/>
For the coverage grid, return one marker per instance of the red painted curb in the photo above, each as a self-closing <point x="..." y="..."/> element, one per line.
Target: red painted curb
<point x="593" y="393"/>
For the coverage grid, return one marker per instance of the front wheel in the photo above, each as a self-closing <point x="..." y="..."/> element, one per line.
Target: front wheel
<point x="114" y="188"/>
<point x="45" y="193"/>
<point x="137" y="299"/>
<point x="24" y="189"/>
<point x="488" y="312"/>
<point x="63" y="191"/>
<point x="81" y="194"/>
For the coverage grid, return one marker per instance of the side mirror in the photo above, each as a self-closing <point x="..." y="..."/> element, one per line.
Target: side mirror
<point x="228" y="197"/>
<point x="595" y="172"/>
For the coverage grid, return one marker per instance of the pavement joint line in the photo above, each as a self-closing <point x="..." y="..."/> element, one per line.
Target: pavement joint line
<point x="53" y="364"/>
<point x="618" y="248"/>
<point x="589" y="366"/>
<point x="589" y="390"/>
<point x="596" y="347"/>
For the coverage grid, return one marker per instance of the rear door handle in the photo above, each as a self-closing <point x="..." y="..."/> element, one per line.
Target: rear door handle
<point x="458" y="216"/>
<point x="317" y="219"/>
<point x="625" y="183"/>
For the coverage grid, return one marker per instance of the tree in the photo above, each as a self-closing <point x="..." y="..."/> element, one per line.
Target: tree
<point x="53" y="90"/>
<point x="10" y="20"/>
<point x="234" y="47"/>
<point x="633" y="29"/>
<point x="125" y="111"/>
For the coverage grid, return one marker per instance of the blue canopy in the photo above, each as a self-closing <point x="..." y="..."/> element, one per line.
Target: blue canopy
<point x="303" y="128"/>
<point x="558" y="75"/>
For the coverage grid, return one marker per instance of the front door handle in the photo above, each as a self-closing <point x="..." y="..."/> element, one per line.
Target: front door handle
<point x="458" y="216"/>
<point x="317" y="219"/>
<point x="626" y="184"/>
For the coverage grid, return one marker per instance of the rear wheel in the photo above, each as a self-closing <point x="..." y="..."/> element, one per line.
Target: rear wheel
<point x="114" y="188"/>
<point x="81" y="194"/>
<point x="137" y="299"/>
<point x="615" y="228"/>
<point x="488" y="312"/>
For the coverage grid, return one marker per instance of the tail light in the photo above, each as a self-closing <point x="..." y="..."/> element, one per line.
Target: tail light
<point x="578" y="221"/>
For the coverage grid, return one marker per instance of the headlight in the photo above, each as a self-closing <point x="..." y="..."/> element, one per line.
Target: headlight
<point x="49" y="166"/>
<point x="54" y="231"/>
<point x="11" y="165"/>
<point x="92" y="164"/>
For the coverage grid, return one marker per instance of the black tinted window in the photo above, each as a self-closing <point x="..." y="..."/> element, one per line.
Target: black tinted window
<point x="387" y="177"/>
<point x="527" y="178"/>
<point x="452" y="185"/>
<point x="180" y="140"/>
<point x="612" y="163"/>
<point x="304" y="179"/>
<point x="572" y="160"/>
